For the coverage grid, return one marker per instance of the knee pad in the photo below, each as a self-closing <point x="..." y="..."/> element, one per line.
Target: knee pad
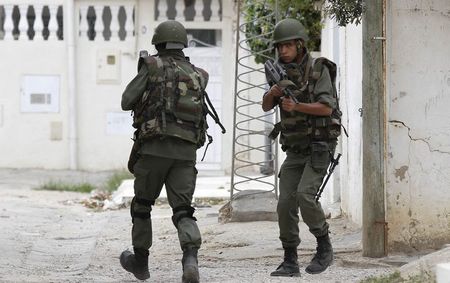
<point x="182" y="212"/>
<point x="141" y="201"/>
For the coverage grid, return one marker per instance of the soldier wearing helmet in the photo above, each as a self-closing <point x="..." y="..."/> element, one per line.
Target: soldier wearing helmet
<point x="308" y="136"/>
<point x="167" y="100"/>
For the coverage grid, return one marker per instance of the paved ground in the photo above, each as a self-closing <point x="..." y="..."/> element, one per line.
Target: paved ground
<point x="51" y="237"/>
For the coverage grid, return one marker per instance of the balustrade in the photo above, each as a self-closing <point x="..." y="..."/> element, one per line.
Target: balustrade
<point x="31" y="22"/>
<point x="188" y="10"/>
<point x="97" y="21"/>
<point x="106" y="22"/>
<point x="38" y="22"/>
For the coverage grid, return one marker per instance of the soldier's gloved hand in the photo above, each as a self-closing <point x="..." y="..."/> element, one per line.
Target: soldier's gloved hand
<point x="288" y="104"/>
<point x="276" y="91"/>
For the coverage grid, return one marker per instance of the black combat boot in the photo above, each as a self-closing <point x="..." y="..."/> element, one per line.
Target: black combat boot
<point x="136" y="263"/>
<point x="323" y="257"/>
<point x="190" y="266"/>
<point x="289" y="267"/>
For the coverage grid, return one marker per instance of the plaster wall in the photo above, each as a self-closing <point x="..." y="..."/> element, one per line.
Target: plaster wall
<point x="344" y="47"/>
<point x="26" y="137"/>
<point x="350" y="85"/>
<point x="418" y="131"/>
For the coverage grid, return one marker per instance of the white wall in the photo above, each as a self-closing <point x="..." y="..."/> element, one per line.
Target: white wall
<point x="351" y="100"/>
<point x="418" y="131"/>
<point x="25" y="137"/>
<point x="418" y="143"/>
<point x="104" y="140"/>
<point x="344" y="47"/>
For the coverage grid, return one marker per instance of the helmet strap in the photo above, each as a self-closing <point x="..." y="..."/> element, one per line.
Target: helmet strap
<point x="299" y="44"/>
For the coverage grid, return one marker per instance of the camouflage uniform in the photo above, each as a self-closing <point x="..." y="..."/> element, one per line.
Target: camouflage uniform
<point x="309" y="142"/>
<point x="171" y="124"/>
<point x="164" y="160"/>
<point x="301" y="174"/>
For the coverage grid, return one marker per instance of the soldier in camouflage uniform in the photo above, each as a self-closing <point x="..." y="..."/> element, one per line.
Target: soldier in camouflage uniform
<point x="167" y="99"/>
<point x="309" y="131"/>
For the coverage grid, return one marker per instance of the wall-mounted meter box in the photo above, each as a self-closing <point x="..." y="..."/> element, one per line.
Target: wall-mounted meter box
<point x="39" y="93"/>
<point x="108" y="66"/>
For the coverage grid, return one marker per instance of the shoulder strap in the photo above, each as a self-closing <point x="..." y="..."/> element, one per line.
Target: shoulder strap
<point x="308" y="68"/>
<point x="318" y="66"/>
<point x="209" y="107"/>
<point x="204" y="76"/>
<point x="166" y="87"/>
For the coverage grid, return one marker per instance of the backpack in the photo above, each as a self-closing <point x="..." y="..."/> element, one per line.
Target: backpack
<point x="176" y="104"/>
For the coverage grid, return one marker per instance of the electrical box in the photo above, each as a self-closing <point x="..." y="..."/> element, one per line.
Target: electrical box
<point x="39" y="93"/>
<point x="108" y="66"/>
<point x="56" y="131"/>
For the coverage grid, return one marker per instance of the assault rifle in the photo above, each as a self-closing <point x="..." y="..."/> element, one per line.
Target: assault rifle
<point x="333" y="164"/>
<point x="276" y="73"/>
<point x="134" y="154"/>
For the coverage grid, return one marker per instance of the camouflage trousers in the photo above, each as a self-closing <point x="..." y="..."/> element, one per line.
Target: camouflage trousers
<point x="299" y="182"/>
<point x="179" y="177"/>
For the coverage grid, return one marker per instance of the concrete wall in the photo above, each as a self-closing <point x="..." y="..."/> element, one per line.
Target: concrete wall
<point x="418" y="145"/>
<point x="418" y="131"/>
<point x="31" y="139"/>
<point x="104" y="131"/>
<point x="351" y="98"/>
<point x="26" y="136"/>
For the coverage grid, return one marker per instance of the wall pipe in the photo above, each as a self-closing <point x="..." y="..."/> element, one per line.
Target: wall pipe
<point x="71" y="84"/>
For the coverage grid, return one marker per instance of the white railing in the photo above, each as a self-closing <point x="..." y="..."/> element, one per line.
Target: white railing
<point x="194" y="10"/>
<point x="97" y="22"/>
<point x="101" y="22"/>
<point x="44" y="22"/>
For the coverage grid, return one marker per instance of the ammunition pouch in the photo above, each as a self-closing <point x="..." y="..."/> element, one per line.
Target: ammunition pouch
<point x="326" y="128"/>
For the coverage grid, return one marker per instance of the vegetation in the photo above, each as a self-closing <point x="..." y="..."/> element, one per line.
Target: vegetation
<point x="110" y="185"/>
<point x="261" y="16"/>
<point x="396" y="277"/>
<point x="60" y="186"/>
<point x="114" y="181"/>
<point x="345" y="11"/>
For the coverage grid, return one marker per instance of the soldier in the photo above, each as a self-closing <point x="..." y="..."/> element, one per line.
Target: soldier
<point x="168" y="101"/>
<point x="309" y="131"/>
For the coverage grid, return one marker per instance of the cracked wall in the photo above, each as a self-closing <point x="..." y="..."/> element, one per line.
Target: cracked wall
<point x="418" y="124"/>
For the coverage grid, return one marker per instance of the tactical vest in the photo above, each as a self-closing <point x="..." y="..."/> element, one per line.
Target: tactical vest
<point x="174" y="104"/>
<point x="298" y="129"/>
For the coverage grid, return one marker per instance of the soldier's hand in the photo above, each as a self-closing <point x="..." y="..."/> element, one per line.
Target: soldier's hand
<point x="276" y="91"/>
<point x="288" y="104"/>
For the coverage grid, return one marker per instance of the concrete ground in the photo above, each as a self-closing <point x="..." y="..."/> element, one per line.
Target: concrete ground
<point x="51" y="237"/>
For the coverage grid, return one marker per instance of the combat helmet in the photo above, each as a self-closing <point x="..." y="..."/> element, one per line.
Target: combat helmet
<point x="171" y="32"/>
<point x="288" y="29"/>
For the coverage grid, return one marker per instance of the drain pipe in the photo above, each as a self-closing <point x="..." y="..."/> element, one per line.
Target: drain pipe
<point x="71" y="84"/>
